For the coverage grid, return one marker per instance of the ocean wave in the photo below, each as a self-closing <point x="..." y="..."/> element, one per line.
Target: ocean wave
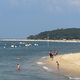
<point x="74" y="78"/>
<point x="46" y="68"/>
<point x="40" y="63"/>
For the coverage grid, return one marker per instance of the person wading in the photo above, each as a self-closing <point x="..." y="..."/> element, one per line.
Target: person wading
<point x="51" y="55"/>
<point x="18" y="67"/>
<point x="57" y="65"/>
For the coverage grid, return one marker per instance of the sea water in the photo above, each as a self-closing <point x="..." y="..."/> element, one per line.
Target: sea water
<point x="27" y="54"/>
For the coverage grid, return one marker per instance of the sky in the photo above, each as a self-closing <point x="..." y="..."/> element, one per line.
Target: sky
<point x="21" y="18"/>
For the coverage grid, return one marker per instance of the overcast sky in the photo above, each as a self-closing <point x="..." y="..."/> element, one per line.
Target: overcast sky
<point x="20" y="18"/>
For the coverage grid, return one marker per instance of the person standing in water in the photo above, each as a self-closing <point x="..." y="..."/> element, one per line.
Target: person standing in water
<point x="18" y="67"/>
<point x="51" y="55"/>
<point x="57" y="65"/>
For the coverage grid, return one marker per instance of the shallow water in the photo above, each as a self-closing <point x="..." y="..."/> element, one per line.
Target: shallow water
<point x="28" y="56"/>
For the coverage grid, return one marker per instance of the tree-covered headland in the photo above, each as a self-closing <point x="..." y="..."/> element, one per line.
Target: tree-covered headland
<point x="58" y="34"/>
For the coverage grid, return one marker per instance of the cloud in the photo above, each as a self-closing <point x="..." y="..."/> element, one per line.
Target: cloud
<point x="21" y="3"/>
<point x="62" y="5"/>
<point x="50" y="5"/>
<point x="53" y="3"/>
<point x="75" y="3"/>
<point x="13" y="2"/>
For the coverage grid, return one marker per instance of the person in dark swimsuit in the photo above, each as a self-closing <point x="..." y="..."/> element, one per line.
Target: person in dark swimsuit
<point x="51" y="55"/>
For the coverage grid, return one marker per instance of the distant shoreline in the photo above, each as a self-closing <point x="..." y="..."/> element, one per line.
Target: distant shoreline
<point x="74" y="40"/>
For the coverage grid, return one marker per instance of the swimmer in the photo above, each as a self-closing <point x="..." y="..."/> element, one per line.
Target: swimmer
<point x="18" y="66"/>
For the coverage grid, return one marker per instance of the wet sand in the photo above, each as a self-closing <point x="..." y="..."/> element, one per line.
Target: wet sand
<point x="69" y="64"/>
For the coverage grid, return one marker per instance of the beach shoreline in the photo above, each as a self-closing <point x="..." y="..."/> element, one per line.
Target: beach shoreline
<point x="69" y="64"/>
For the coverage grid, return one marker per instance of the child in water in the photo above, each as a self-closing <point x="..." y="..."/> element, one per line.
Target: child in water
<point x="18" y="66"/>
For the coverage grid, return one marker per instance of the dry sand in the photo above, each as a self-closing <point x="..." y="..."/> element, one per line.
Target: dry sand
<point x="68" y="63"/>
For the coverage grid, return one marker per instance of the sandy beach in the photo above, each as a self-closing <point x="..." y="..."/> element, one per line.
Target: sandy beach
<point x="69" y="64"/>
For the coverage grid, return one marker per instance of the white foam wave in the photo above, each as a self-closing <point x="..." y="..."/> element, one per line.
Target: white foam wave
<point x="40" y="63"/>
<point x="46" y="68"/>
<point x="71" y="78"/>
<point x="44" y="57"/>
<point x="18" y="58"/>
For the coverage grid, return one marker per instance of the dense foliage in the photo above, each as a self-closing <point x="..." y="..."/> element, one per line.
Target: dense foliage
<point x="59" y="34"/>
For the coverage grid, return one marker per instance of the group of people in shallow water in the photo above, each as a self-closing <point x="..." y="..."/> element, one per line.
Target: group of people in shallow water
<point x="52" y="54"/>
